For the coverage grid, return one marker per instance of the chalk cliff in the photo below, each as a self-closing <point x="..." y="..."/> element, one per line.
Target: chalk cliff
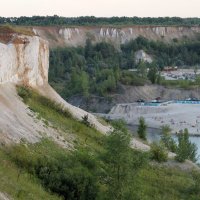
<point x="60" y="36"/>
<point x="24" y="60"/>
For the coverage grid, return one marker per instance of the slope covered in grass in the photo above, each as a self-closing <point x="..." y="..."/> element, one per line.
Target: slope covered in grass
<point x="34" y="171"/>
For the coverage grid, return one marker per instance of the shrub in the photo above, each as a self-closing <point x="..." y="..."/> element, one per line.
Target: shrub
<point x="158" y="152"/>
<point x="142" y="128"/>
<point x="72" y="176"/>
<point x="24" y="93"/>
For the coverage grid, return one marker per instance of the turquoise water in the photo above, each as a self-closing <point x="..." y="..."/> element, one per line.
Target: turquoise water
<point x="169" y="102"/>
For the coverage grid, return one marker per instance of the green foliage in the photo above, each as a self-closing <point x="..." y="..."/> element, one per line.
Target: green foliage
<point x="89" y="173"/>
<point x="153" y="74"/>
<point x="27" y="94"/>
<point x="61" y="119"/>
<point x="69" y="175"/>
<point x="142" y="128"/>
<point x="195" y="189"/>
<point x="158" y="152"/>
<point x="94" y="21"/>
<point x="131" y="78"/>
<point x="19" y="184"/>
<point x="24" y="93"/>
<point x="99" y="68"/>
<point x="186" y="149"/>
<point x="185" y="84"/>
<point x="142" y="69"/>
<point x="167" y="140"/>
<point x="121" y="164"/>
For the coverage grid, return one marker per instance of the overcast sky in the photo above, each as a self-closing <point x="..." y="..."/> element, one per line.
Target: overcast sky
<point x="99" y="8"/>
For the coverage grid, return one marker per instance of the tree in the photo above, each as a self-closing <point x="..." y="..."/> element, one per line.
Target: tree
<point x="122" y="164"/>
<point x="153" y="74"/>
<point x="84" y="83"/>
<point x="142" y="128"/>
<point x="186" y="149"/>
<point x="167" y="140"/>
<point x="88" y="49"/>
<point x="142" y="69"/>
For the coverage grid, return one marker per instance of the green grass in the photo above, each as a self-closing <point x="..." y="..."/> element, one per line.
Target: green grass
<point x="61" y="119"/>
<point x="18" y="184"/>
<point x="16" y="29"/>
<point x="183" y="84"/>
<point x="152" y="182"/>
<point x="161" y="183"/>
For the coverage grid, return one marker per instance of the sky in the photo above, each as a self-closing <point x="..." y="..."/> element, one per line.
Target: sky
<point x="101" y="8"/>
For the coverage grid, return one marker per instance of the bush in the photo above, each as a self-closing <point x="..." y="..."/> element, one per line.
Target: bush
<point x="72" y="176"/>
<point x="24" y="93"/>
<point x="158" y="152"/>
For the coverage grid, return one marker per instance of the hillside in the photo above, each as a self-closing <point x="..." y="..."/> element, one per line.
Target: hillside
<point x="50" y="149"/>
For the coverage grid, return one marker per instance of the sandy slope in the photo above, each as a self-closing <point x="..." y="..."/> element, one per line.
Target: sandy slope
<point x="18" y="122"/>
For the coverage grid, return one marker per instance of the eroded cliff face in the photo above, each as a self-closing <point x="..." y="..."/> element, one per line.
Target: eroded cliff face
<point x="58" y="36"/>
<point x="24" y="59"/>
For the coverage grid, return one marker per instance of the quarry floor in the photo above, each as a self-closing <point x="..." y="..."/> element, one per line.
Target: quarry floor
<point x="177" y="116"/>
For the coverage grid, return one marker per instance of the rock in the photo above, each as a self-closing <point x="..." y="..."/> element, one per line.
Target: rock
<point x="142" y="56"/>
<point x="24" y="62"/>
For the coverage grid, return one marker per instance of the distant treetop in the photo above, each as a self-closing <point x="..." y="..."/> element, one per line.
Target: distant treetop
<point x="91" y="20"/>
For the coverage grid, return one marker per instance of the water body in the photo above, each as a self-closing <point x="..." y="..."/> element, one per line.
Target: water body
<point x="154" y="134"/>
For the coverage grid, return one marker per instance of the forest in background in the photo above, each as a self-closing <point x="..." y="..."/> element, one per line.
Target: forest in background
<point x="99" y="68"/>
<point x="96" y="21"/>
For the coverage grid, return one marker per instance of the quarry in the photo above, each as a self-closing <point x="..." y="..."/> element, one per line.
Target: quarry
<point x="178" y="115"/>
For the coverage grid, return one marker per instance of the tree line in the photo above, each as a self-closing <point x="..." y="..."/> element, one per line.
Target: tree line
<point x="91" y="20"/>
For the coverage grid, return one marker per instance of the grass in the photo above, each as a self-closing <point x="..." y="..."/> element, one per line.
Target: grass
<point x="165" y="183"/>
<point x="183" y="84"/>
<point x="153" y="182"/>
<point x="16" y="29"/>
<point x="61" y="119"/>
<point x="19" y="184"/>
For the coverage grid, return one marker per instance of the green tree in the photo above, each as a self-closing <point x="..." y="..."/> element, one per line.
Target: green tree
<point x="84" y="83"/>
<point x="142" y="69"/>
<point x="153" y="74"/>
<point x="167" y="140"/>
<point x="186" y="149"/>
<point x="122" y="164"/>
<point x="142" y="128"/>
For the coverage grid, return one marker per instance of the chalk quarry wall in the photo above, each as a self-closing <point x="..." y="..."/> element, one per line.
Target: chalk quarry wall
<point x="25" y="59"/>
<point x="59" y="36"/>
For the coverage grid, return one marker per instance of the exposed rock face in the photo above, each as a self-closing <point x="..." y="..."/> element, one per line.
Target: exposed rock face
<point x="58" y="36"/>
<point x="25" y="61"/>
<point x="142" y="56"/>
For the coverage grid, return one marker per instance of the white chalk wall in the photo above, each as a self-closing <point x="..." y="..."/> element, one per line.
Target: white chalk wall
<point x="25" y="62"/>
